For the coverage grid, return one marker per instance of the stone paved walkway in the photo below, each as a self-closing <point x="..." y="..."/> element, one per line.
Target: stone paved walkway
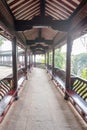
<point x="41" y="107"/>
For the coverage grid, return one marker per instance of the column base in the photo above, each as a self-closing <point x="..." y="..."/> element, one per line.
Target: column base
<point x="16" y="98"/>
<point x="52" y="78"/>
<point x="66" y="97"/>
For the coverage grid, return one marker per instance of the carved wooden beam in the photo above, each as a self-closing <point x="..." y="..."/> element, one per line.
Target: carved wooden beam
<point x="61" y="25"/>
<point x="48" y="42"/>
<point x="40" y="47"/>
<point x="81" y="5"/>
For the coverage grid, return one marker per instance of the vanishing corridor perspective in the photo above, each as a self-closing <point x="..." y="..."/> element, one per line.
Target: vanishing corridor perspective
<point x="41" y="106"/>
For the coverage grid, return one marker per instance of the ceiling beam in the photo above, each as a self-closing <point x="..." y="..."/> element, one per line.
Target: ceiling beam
<point x="7" y="7"/>
<point x="81" y="5"/>
<point x="40" y="32"/>
<point x="40" y="47"/>
<point x="38" y="40"/>
<point x="61" y="25"/>
<point x="38" y="50"/>
<point x="42" y="8"/>
<point x="80" y="25"/>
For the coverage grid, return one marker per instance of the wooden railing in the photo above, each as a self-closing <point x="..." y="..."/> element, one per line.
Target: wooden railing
<point x="78" y="95"/>
<point x="40" y="65"/>
<point x="7" y="91"/>
<point x="77" y="92"/>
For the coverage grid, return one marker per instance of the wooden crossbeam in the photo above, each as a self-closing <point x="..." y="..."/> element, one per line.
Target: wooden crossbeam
<point x="61" y="25"/>
<point x="38" y="40"/>
<point x="39" y="47"/>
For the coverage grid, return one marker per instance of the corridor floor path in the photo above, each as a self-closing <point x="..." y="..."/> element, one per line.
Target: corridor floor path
<point x="41" y="107"/>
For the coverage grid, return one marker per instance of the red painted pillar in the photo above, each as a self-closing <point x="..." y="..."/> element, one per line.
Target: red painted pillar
<point x="68" y="64"/>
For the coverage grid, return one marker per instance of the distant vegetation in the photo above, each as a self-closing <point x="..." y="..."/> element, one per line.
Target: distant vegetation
<point x="59" y="59"/>
<point x="2" y="39"/>
<point x="79" y="65"/>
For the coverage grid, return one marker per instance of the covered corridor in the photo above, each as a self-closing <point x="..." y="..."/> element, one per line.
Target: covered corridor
<point x="41" y="106"/>
<point x="40" y="27"/>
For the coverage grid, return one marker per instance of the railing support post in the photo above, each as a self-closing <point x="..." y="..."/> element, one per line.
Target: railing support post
<point x="68" y="64"/>
<point x="14" y="66"/>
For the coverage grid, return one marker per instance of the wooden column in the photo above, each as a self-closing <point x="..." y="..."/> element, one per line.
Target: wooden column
<point x="68" y="64"/>
<point x="34" y="60"/>
<point x="53" y="53"/>
<point x="26" y="62"/>
<point x="30" y="62"/>
<point x="14" y="63"/>
<point x="47" y="59"/>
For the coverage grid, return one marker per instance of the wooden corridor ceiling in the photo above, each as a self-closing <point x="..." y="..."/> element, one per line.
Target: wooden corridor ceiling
<point x="45" y="23"/>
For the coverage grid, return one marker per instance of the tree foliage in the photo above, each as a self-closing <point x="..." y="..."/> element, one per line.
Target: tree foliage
<point x="84" y="73"/>
<point x="79" y="62"/>
<point x="1" y="40"/>
<point x="59" y="59"/>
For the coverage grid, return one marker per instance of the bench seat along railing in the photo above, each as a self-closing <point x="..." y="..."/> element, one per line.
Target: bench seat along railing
<point x="77" y="92"/>
<point x="59" y="76"/>
<point x="7" y="92"/>
<point x="78" y="95"/>
<point x="6" y="98"/>
<point x="21" y="77"/>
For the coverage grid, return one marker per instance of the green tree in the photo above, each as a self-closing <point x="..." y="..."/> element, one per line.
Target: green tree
<point x="59" y="59"/>
<point x="2" y="39"/>
<point x="79" y="62"/>
<point x="42" y="61"/>
<point x="84" y="73"/>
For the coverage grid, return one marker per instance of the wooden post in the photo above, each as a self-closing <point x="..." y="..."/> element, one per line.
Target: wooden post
<point x="26" y="62"/>
<point x="53" y="54"/>
<point x="68" y="64"/>
<point x="48" y="60"/>
<point x="45" y="59"/>
<point x="30" y="62"/>
<point x="34" y="60"/>
<point x="14" y="63"/>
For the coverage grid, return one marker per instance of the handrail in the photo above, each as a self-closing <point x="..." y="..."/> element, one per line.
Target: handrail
<point x="77" y="92"/>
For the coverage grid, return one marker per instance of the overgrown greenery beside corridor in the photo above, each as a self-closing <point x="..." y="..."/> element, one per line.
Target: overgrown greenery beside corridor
<point x="78" y="63"/>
